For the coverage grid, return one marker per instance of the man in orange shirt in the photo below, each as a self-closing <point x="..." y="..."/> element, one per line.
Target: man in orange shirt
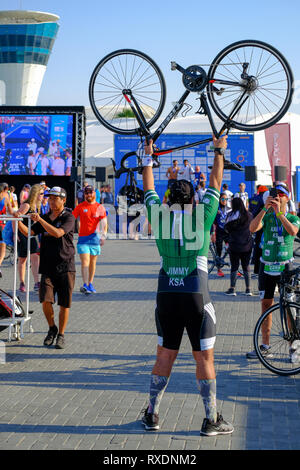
<point x="92" y="230"/>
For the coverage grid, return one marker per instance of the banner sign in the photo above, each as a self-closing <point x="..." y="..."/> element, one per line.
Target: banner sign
<point x="278" y="141"/>
<point x="240" y="150"/>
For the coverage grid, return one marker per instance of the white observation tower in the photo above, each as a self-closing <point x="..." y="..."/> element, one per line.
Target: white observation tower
<point x="26" y="41"/>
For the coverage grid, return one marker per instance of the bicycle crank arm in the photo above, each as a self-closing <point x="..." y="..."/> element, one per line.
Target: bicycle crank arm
<point x="175" y="66"/>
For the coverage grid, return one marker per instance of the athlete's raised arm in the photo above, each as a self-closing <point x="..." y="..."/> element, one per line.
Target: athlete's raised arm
<point x="216" y="175"/>
<point x="148" y="179"/>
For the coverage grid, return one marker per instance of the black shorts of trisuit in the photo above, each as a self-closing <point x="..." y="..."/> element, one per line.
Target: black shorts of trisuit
<point x="176" y="312"/>
<point x="267" y="283"/>
<point x="61" y="285"/>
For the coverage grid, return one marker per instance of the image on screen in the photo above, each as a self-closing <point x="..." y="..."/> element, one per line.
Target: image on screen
<point x="36" y="144"/>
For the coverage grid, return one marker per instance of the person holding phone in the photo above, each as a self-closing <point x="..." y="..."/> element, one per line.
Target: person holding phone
<point x="279" y="231"/>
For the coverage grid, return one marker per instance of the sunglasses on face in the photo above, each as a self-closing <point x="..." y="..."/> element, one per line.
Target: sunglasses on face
<point x="280" y="194"/>
<point x="224" y="199"/>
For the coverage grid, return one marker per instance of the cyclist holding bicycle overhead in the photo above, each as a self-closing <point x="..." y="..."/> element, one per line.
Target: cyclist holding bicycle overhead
<point x="183" y="299"/>
<point x="279" y="231"/>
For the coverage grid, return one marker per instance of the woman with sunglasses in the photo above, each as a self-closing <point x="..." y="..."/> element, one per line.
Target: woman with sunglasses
<point x="30" y="205"/>
<point x="220" y="235"/>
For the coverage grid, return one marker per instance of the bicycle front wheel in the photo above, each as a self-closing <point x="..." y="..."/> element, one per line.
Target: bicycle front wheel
<point x="251" y="84"/>
<point x="126" y="69"/>
<point x="279" y="359"/>
<point x="211" y="258"/>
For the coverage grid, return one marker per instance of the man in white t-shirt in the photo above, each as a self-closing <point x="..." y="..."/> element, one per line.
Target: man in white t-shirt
<point x="31" y="163"/>
<point x="32" y="145"/>
<point x="243" y="195"/>
<point x="229" y="195"/>
<point x="187" y="171"/>
<point x="58" y="165"/>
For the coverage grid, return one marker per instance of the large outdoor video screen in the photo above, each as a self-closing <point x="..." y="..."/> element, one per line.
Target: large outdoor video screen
<point x="36" y="144"/>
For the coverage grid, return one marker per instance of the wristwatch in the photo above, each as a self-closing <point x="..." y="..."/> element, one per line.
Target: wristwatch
<point x="219" y="150"/>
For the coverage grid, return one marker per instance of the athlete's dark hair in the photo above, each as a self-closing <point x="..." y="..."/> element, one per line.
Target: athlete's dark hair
<point x="238" y="205"/>
<point x="181" y="192"/>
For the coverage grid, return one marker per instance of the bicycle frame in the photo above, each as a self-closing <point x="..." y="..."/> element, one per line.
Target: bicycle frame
<point x="145" y="132"/>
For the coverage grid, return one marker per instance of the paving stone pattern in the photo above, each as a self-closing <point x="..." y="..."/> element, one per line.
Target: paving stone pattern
<point x="91" y="394"/>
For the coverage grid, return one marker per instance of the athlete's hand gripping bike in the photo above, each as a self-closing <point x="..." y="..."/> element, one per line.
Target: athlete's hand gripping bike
<point x="249" y="86"/>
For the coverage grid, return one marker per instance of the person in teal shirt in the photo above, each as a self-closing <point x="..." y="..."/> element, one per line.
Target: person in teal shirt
<point x="279" y="231"/>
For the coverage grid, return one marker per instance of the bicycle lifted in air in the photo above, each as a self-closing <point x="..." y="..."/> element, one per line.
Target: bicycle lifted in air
<point x="249" y="86"/>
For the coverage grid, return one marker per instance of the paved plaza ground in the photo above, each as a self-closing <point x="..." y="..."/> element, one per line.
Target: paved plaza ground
<point x="91" y="394"/>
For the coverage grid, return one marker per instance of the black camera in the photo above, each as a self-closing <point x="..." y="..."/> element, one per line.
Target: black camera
<point x="273" y="192"/>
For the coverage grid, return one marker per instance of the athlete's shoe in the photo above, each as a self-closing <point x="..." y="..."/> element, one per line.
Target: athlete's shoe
<point x="91" y="288"/>
<point x="230" y="291"/>
<point x="220" y="273"/>
<point x="22" y="287"/>
<point x="150" y="421"/>
<point x="295" y="352"/>
<point x="49" y="340"/>
<point x="248" y="292"/>
<point x="264" y="351"/>
<point x="60" y="342"/>
<point x="85" y="289"/>
<point x="211" y="428"/>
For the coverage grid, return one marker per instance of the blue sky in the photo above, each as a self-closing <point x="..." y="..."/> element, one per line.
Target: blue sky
<point x="190" y="32"/>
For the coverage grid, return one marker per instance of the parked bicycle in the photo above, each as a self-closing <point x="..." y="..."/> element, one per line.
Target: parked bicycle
<point x="297" y="247"/>
<point x="283" y="318"/>
<point x="213" y="260"/>
<point x="249" y="86"/>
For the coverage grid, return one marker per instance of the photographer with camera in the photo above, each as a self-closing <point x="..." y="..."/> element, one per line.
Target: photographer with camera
<point x="279" y="230"/>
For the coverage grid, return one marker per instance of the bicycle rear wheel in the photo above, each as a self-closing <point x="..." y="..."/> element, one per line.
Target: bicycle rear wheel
<point x="126" y="69"/>
<point x="278" y="360"/>
<point x="265" y="96"/>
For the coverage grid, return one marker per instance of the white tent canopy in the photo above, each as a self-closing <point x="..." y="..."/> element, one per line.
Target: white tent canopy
<point x="100" y="141"/>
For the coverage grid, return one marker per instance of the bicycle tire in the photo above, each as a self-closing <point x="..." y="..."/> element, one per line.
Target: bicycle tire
<point x="120" y="70"/>
<point x="257" y="99"/>
<point x="279" y="362"/>
<point x="211" y="259"/>
<point x="297" y="251"/>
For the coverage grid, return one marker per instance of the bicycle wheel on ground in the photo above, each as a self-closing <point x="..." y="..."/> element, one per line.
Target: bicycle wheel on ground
<point x="211" y="258"/>
<point x="279" y="359"/>
<point x="261" y="91"/>
<point x="126" y="69"/>
<point x="297" y="248"/>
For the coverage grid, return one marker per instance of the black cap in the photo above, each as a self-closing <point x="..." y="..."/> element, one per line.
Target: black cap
<point x="89" y="188"/>
<point x="57" y="191"/>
